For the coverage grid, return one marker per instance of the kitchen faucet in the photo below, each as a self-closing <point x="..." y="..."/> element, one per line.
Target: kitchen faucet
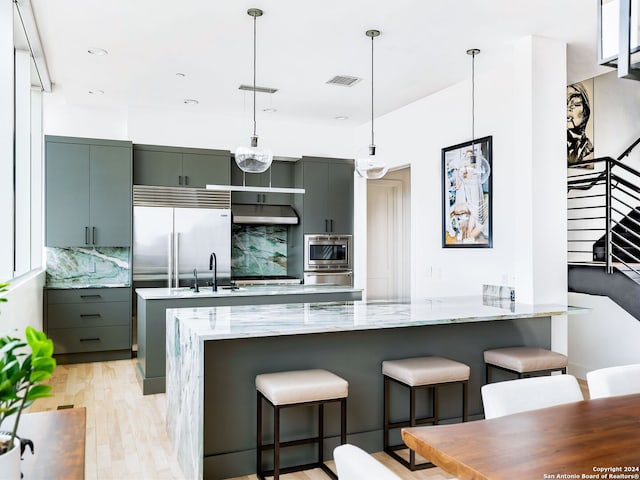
<point x="195" y="287"/>
<point x="213" y="265"/>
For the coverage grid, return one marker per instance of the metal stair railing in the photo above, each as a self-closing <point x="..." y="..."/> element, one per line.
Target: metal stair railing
<point x="603" y="205"/>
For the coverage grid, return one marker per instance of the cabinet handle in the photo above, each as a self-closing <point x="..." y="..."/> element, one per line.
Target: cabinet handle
<point x="179" y="179"/>
<point x="326" y="225"/>
<point x="258" y="197"/>
<point x="331" y="223"/>
<point x="264" y="198"/>
<point x="93" y="234"/>
<point x="186" y="179"/>
<point x="86" y="315"/>
<point x="96" y="339"/>
<point x="90" y="296"/>
<point x="86" y="235"/>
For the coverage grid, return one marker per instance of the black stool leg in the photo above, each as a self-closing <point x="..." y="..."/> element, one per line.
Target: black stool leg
<point x="436" y="408"/>
<point x="276" y="442"/>
<point x="465" y="402"/>
<point x="259" y="436"/>
<point x="412" y="422"/>
<point x="321" y="433"/>
<point x="385" y="440"/>
<point x="343" y="421"/>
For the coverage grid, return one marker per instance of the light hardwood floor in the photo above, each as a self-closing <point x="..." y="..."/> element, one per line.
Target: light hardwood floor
<point x="126" y="435"/>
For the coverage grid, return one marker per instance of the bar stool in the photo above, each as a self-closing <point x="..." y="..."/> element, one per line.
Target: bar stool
<point x="417" y="374"/>
<point x="524" y="361"/>
<point x="293" y="389"/>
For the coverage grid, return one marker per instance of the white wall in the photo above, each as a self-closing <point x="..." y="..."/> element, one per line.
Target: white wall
<point x="603" y="337"/>
<point x="444" y="119"/>
<point x="24" y="306"/>
<point x="188" y="127"/>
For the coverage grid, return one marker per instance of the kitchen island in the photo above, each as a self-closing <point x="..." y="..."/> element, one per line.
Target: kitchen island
<point x="214" y="354"/>
<point x="153" y="303"/>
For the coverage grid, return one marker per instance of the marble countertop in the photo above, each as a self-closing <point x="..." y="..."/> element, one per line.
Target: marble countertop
<point x="67" y="286"/>
<point x="248" y="291"/>
<point x="219" y="323"/>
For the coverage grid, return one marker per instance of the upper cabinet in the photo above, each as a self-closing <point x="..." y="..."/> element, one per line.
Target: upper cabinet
<point x="328" y="201"/>
<point x="279" y="175"/>
<point x="180" y="167"/>
<point x="88" y="192"/>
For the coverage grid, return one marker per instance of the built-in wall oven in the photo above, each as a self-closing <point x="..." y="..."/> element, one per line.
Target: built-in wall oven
<point x="328" y="259"/>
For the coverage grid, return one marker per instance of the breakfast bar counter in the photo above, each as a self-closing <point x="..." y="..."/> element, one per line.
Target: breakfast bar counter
<point x="152" y="304"/>
<point x="214" y="354"/>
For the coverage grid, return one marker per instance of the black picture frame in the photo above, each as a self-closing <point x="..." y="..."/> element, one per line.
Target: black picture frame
<point x="467" y="196"/>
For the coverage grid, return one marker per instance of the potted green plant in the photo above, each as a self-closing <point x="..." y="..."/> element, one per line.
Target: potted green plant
<point x="22" y="371"/>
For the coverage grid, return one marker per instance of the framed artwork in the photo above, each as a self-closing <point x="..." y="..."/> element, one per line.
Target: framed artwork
<point x="467" y="196"/>
<point x="580" y="123"/>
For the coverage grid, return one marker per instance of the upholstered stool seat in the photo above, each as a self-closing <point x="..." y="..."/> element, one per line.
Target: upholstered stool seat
<point x="524" y="361"/>
<point x="296" y="388"/>
<point x="415" y="374"/>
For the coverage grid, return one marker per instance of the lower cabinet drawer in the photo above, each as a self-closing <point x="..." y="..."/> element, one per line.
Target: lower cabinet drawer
<point x="96" y="339"/>
<point x="88" y="295"/>
<point x="98" y="314"/>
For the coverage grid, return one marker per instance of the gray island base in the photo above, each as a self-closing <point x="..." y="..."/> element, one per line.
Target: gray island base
<point x="214" y="354"/>
<point x="154" y="302"/>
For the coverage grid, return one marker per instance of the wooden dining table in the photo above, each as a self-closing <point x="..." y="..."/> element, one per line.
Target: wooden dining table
<point x="597" y="439"/>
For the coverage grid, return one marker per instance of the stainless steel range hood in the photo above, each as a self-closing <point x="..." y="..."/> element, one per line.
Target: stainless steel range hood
<point x="259" y="214"/>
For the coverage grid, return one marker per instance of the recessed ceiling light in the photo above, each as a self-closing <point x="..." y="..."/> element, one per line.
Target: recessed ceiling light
<point x="96" y="92"/>
<point x="97" y="51"/>
<point x="180" y="74"/>
<point x="341" y="117"/>
<point x="190" y="101"/>
<point x="269" y="110"/>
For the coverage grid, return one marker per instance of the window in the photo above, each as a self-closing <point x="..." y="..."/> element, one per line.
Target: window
<point x="20" y="149"/>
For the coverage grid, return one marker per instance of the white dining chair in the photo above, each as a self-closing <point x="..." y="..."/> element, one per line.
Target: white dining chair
<point x="353" y="463"/>
<point x="513" y="396"/>
<point x="613" y="381"/>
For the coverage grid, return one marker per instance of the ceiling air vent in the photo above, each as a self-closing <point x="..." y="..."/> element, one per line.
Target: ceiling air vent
<point x="344" y="80"/>
<point x="249" y="88"/>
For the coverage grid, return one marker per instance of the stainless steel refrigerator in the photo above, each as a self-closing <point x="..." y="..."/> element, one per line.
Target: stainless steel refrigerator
<point x="172" y="238"/>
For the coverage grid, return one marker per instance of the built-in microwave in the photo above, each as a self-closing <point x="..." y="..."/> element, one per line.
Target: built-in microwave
<point x="327" y="252"/>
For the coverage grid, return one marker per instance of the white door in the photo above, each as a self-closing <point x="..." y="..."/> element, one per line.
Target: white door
<point x="384" y="238"/>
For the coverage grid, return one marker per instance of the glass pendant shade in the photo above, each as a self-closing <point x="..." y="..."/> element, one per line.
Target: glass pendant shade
<point x="369" y="165"/>
<point x="474" y="166"/>
<point x="253" y="159"/>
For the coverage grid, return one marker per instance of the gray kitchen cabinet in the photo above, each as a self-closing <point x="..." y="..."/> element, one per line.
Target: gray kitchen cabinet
<point x="180" y="167"/>
<point x="88" y="192"/>
<point x="328" y="200"/>
<point x="88" y="324"/>
<point x="280" y="174"/>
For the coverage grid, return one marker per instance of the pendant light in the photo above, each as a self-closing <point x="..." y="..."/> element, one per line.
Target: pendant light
<point x="368" y="165"/>
<point x="474" y="161"/>
<point x="254" y="159"/>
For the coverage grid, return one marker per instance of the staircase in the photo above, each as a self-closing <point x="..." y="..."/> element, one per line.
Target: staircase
<point x="604" y="230"/>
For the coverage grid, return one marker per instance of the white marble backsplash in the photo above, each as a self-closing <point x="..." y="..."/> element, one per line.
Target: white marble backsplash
<point x="83" y="267"/>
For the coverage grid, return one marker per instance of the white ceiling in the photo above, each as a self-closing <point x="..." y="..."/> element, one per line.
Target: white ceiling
<point x="301" y="45"/>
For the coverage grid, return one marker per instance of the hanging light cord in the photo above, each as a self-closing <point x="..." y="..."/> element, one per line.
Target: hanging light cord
<point x="473" y="99"/>
<point x="372" y="142"/>
<point x="254" y="75"/>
